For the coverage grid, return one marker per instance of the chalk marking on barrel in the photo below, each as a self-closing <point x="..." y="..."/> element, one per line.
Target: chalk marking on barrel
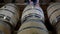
<point x="2" y="16"/>
<point x="7" y="18"/>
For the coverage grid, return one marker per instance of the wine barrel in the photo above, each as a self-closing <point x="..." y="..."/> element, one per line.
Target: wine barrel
<point x="32" y="12"/>
<point x="54" y="15"/>
<point x="32" y="21"/>
<point x="4" y="28"/>
<point x="9" y="13"/>
<point x="53" y="12"/>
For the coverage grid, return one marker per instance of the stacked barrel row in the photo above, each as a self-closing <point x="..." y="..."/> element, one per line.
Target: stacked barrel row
<point x="9" y="15"/>
<point x="32" y="21"/>
<point x="54" y="15"/>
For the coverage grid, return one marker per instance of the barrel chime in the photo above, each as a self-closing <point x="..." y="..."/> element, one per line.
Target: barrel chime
<point x="32" y="21"/>
<point x="9" y="15"/>
<point x="54" y="15"/>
